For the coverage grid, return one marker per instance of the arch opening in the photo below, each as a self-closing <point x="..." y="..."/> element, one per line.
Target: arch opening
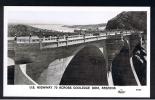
<point x="10" y="71"/>
<point x="88" y="67"/>
<point x="10" y="74"/>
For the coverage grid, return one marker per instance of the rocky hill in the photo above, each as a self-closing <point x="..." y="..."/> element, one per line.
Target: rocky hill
<point x="129" y="20"/>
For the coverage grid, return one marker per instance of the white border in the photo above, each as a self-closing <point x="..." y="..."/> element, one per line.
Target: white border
<point x="24" y="91"/>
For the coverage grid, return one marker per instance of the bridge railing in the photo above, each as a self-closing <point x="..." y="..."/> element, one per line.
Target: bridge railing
<point x="71" y="40"/>
<point x="58" y="41"/>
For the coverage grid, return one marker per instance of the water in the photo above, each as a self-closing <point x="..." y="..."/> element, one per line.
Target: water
<point x="55" y="27"/>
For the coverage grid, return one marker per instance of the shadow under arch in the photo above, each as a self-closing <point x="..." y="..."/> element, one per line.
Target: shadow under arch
<point x="87" y="67"/>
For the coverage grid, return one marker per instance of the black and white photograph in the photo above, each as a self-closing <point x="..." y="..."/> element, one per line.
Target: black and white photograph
<point x="68" y="51"/>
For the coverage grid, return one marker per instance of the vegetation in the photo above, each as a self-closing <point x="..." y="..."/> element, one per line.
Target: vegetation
<point x="26" y="30"/>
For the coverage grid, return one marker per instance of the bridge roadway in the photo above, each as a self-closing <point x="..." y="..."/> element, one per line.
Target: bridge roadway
<point x="54" y="60"/>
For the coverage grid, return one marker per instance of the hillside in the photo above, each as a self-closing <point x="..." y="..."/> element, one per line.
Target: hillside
<point x="25" y="30"/>
<point x="129" y="20"/>
<point x="89" y="26"/>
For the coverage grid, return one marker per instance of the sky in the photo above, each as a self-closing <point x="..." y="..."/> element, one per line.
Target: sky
<point x="61" y="15"/>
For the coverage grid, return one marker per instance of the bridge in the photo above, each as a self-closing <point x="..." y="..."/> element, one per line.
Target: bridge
<point x="73" y="60"/>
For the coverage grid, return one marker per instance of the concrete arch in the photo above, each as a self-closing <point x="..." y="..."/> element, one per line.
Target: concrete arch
<point x="57" y="66"/>
<point x="86" y="67"/>
<point x="79" y="49"/>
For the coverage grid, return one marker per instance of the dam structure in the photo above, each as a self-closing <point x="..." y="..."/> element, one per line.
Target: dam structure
<point x="83" y="59"/>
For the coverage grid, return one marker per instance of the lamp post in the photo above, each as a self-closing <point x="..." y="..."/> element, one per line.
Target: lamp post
<point x="15" y="37"/>
<point x="57" y="40"/>
<point x="84" y="35"/>
<point x="30" y="38"/>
